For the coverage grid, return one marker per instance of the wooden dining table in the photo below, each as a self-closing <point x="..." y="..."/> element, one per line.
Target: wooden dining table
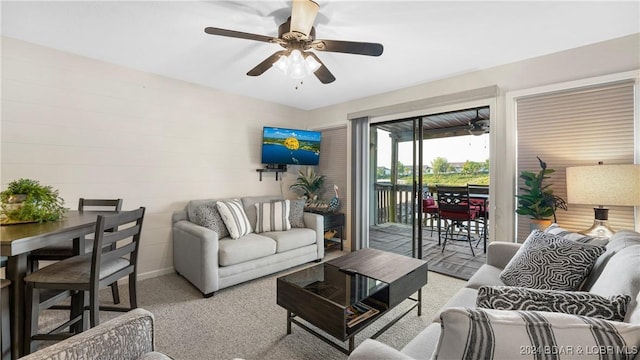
<point x="18" y="240"/>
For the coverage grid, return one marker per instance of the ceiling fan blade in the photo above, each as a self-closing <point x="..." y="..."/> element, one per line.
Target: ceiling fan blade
<point x="323" y="74"/>
<point x="266" y="64"/>
<point x="349" y="47"/>
<point x="238" y="34"/>
<point x="303" y="15"/>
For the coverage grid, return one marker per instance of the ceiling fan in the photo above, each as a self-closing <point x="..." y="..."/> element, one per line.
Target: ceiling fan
<point x="478" y="126"/>
<point x="297" y="35"/>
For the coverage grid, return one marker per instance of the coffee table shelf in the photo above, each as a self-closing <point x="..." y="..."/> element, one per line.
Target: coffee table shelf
<point x="320" y="295"/>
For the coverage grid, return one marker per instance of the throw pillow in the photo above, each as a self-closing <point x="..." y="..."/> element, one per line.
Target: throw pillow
<point x="207" y="215"/>
<point x="272" y="216"/>
<point x="234" y="218"/>
<point x="296" y="213"/>
<point x="555" y="229"/>
<point x="502" y="334"/>
<point x="569" y="302"/>
<point x="550" y="262"/>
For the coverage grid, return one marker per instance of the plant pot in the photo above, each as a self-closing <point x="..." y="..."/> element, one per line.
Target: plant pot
<point x="15" y="202"/>
<point x="537" y="224"/>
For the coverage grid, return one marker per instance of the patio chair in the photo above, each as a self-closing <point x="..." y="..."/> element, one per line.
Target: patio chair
<point x="455" y="210"/>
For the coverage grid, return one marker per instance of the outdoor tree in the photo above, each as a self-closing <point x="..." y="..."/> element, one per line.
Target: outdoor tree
<point x="471" y="167"/>
<point x="439" y="165"/>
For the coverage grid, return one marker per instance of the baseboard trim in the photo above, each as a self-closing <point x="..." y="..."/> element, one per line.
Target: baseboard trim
<point x="148" y="275"/>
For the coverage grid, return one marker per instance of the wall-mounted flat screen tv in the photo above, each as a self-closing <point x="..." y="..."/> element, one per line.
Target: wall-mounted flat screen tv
<point x="290" y="146"/>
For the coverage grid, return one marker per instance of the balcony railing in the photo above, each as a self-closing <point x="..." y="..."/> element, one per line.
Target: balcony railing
<point x="393" y="203"/>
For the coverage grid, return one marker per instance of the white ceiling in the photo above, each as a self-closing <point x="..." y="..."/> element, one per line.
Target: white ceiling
<point x="423" y="40"/>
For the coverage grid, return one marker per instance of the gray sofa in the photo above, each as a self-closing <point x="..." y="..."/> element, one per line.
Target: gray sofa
<point x="212" y="263"/>
<point x="617" y="271"/>
<point x="127" y="337"/>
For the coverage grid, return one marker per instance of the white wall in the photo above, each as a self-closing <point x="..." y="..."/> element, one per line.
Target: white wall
<point x="98" y="130"/>
<point x="617" y="55"/>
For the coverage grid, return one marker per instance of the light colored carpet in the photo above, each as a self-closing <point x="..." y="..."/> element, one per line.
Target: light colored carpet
<point x="244" y="321"/>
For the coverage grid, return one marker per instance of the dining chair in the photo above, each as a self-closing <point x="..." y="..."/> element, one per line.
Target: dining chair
<point x="454" y="208"/>
<point x="429" y="210"/>
<point x="5" y="290"/>
<point x="480" y="202"/>
<point x="87" y="273"/>
<point x="66" y="250"/>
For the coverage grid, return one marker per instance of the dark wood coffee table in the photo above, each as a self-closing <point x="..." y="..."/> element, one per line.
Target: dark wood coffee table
<point x="323" y="295"/>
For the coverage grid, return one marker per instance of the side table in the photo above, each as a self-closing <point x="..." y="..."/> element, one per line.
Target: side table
<point x="334" y="221"/>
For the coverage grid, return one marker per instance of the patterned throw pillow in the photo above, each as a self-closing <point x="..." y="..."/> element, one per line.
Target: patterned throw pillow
<point x="272" y="216"/>
<point x="234" y="217"/>
<point x="550" y="262"/>
<point x="503" y="334"/>
<point x="296" y="213"/>
<point x="569" y="302"/>
<point x="207" y="215"/>
<point x="555" y="229"/>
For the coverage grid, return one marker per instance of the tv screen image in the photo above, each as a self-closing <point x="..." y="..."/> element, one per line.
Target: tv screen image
<point x="290" y="146"/>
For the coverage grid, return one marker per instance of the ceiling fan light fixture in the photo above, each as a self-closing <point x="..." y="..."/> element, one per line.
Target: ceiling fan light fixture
<point x="303" y="15"/>
<point x="297" y="65"/>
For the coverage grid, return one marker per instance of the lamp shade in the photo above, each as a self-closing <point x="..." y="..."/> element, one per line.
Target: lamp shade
<point x="615" y="185"/>
<point x="303" y="14"/>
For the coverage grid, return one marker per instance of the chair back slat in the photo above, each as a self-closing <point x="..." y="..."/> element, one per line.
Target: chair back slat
<point x="112" y="237"/>
<point x="110" y="229"/>
<point x="120" y="252"/>
<point x="453" y="198"/>
<point x="100" y="204"/>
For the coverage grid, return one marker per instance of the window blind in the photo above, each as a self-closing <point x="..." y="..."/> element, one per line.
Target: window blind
<point x="576" y="127"/>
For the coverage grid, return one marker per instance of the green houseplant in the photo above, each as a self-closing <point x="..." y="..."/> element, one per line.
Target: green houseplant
<point x="536" y="199"/>
<point x="308" y="183"/>
<point x="26" y="200"/>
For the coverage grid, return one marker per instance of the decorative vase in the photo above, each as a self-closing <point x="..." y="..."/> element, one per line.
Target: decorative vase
<point x="539" y="224"/>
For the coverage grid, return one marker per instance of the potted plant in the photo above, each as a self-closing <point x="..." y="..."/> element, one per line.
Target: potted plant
<point x="26" y="200"/>
<point x="309" y="184"/>
<point x="536" y="200"/>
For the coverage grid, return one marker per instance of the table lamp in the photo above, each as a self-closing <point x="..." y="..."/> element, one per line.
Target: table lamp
<point x="613" y="185"/>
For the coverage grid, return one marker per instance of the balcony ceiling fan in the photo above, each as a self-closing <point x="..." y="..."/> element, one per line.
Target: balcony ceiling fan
<point x="297" y="36"/>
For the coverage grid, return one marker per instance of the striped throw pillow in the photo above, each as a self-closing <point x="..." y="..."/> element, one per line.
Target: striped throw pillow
<point x="234" y="218"/>
<point x="509" y="334"/>
<point x="273" y="216"/>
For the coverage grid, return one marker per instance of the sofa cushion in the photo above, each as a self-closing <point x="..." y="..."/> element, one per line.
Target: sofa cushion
<point x="465" y="297"/>
<point x="292" y="239"/>
<point x="234" y="218"/>
<point x="622" y="276"/>
<point x="546" y="261"/>
<point x="555" y="229"/>
<point x="486" y="275"/>
<point x="296" y="213"/>
<point x="248" y="247"/>
<point x="502" y="334"/>
<point x="620" y="240"/>
<point x="569" y="302"/>
<point x="207" y="215"/>
<point x="272" y="216"/>
<point x="424" y="344"/>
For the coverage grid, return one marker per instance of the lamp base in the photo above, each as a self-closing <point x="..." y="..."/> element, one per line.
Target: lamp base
<point x="600" y="227"/>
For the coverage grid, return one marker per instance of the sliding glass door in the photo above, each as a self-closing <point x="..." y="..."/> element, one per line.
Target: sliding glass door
<point x="396" y="181"/>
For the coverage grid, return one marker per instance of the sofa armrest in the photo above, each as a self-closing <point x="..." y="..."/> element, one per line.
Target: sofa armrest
<point x="500" y="252"/>
<point x="315" y="222"/>
<point x="195" y="255"/>
<point x="371" y="349"/>
<point x="130" y="335"/>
